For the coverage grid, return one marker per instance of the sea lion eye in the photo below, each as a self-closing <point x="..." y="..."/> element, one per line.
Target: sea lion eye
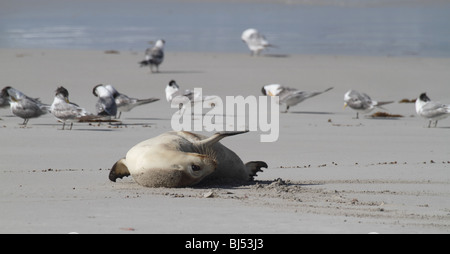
<point x="195" y="167"/>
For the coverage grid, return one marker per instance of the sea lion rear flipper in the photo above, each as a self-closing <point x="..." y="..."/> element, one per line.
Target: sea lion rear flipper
<point x="217" y="137"/>
<point x="119" y="170"/>
<point x="253" y="167"/>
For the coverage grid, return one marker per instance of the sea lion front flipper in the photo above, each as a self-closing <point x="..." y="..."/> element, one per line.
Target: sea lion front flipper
<point x="119" y="170"/>
<point x="253" y="167"/>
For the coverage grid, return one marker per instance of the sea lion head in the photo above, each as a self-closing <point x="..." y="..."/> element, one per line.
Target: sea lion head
<point x="181" y="170"/>
<point x="166" y="165"/>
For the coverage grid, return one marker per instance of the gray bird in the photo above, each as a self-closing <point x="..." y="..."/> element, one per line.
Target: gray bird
<point x="289" y="96"/>
<point x="106" y="105"/>
<point x="361" y="102"/>
<point x="24" y="106"/>
<point x="173" y="90"/>
<point x="154" y="56"/>
<point x="64" y="110"/>
<point x="125" y="103"/>
<point x="175" y="96"/>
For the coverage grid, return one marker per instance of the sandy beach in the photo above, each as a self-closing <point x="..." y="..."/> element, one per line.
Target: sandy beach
<point x="328" y="172"/>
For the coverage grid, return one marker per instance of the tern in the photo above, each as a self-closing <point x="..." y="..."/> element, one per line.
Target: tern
<point x="125" y="103"/>
<point x="289" y="96"/>
<point x="64" y="110"/>
<point x="175" y="95"/>
<point x="433" y="111"/>
<point x="361" y="102"/>
<point x="24" y="106"/>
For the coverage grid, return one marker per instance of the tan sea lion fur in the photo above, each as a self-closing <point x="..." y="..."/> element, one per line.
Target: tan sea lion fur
<point x="180" y="159"/>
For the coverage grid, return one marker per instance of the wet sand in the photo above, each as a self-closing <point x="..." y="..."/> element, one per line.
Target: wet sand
<point x="328" y="172"/>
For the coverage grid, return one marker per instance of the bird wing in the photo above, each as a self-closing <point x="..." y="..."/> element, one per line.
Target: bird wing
<point x="123" y="99"/>
<point x="436" y="107"/>
<point x="191" y="94"/>
<point x="68" y="111"/>
<point x="359" y="101"/>
<point x="106" y="106"/>
<point x="156" y="55"/>
<point x="258" y="39"/>
<point x="292" y="94"/>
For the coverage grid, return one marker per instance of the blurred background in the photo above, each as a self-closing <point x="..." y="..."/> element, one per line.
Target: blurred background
<point x="336" y="27"/>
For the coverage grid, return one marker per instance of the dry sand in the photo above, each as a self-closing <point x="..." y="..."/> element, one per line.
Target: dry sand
<point x="328" y="172"/>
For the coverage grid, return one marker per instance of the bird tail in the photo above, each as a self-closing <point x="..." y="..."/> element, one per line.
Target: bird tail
<point x="381" y="103"/>
<point x="83" y="112"/>
<point x="312" y="94"/>
<point x="146" y="101"/>
<point x="328" y="89"/>
<point x="447" y="107"/>
<point x="45" y="108"/>
<point x="144" y="63"/>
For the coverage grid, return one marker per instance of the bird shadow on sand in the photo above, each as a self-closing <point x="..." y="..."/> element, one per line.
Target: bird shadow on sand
<point x="83" y="129"/>
<point x="276" y="55"/>
<point x="75" y="127"/>
<point x="178" y="72"/>
<point x="56" y="125"/>
<point x="146" y="119"/>
<point x="137" y="124"/>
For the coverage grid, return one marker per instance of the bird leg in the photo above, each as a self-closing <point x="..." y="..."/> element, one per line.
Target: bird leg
<point x="25" y="122"/>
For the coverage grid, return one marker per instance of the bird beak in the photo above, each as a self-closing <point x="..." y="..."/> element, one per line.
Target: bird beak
<point x="345" y="105"/>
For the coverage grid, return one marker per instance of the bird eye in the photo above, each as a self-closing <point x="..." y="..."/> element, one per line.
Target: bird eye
<point x="195" y="167"/>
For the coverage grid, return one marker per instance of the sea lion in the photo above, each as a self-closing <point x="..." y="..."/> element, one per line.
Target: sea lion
<point x="181" y="159"/>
